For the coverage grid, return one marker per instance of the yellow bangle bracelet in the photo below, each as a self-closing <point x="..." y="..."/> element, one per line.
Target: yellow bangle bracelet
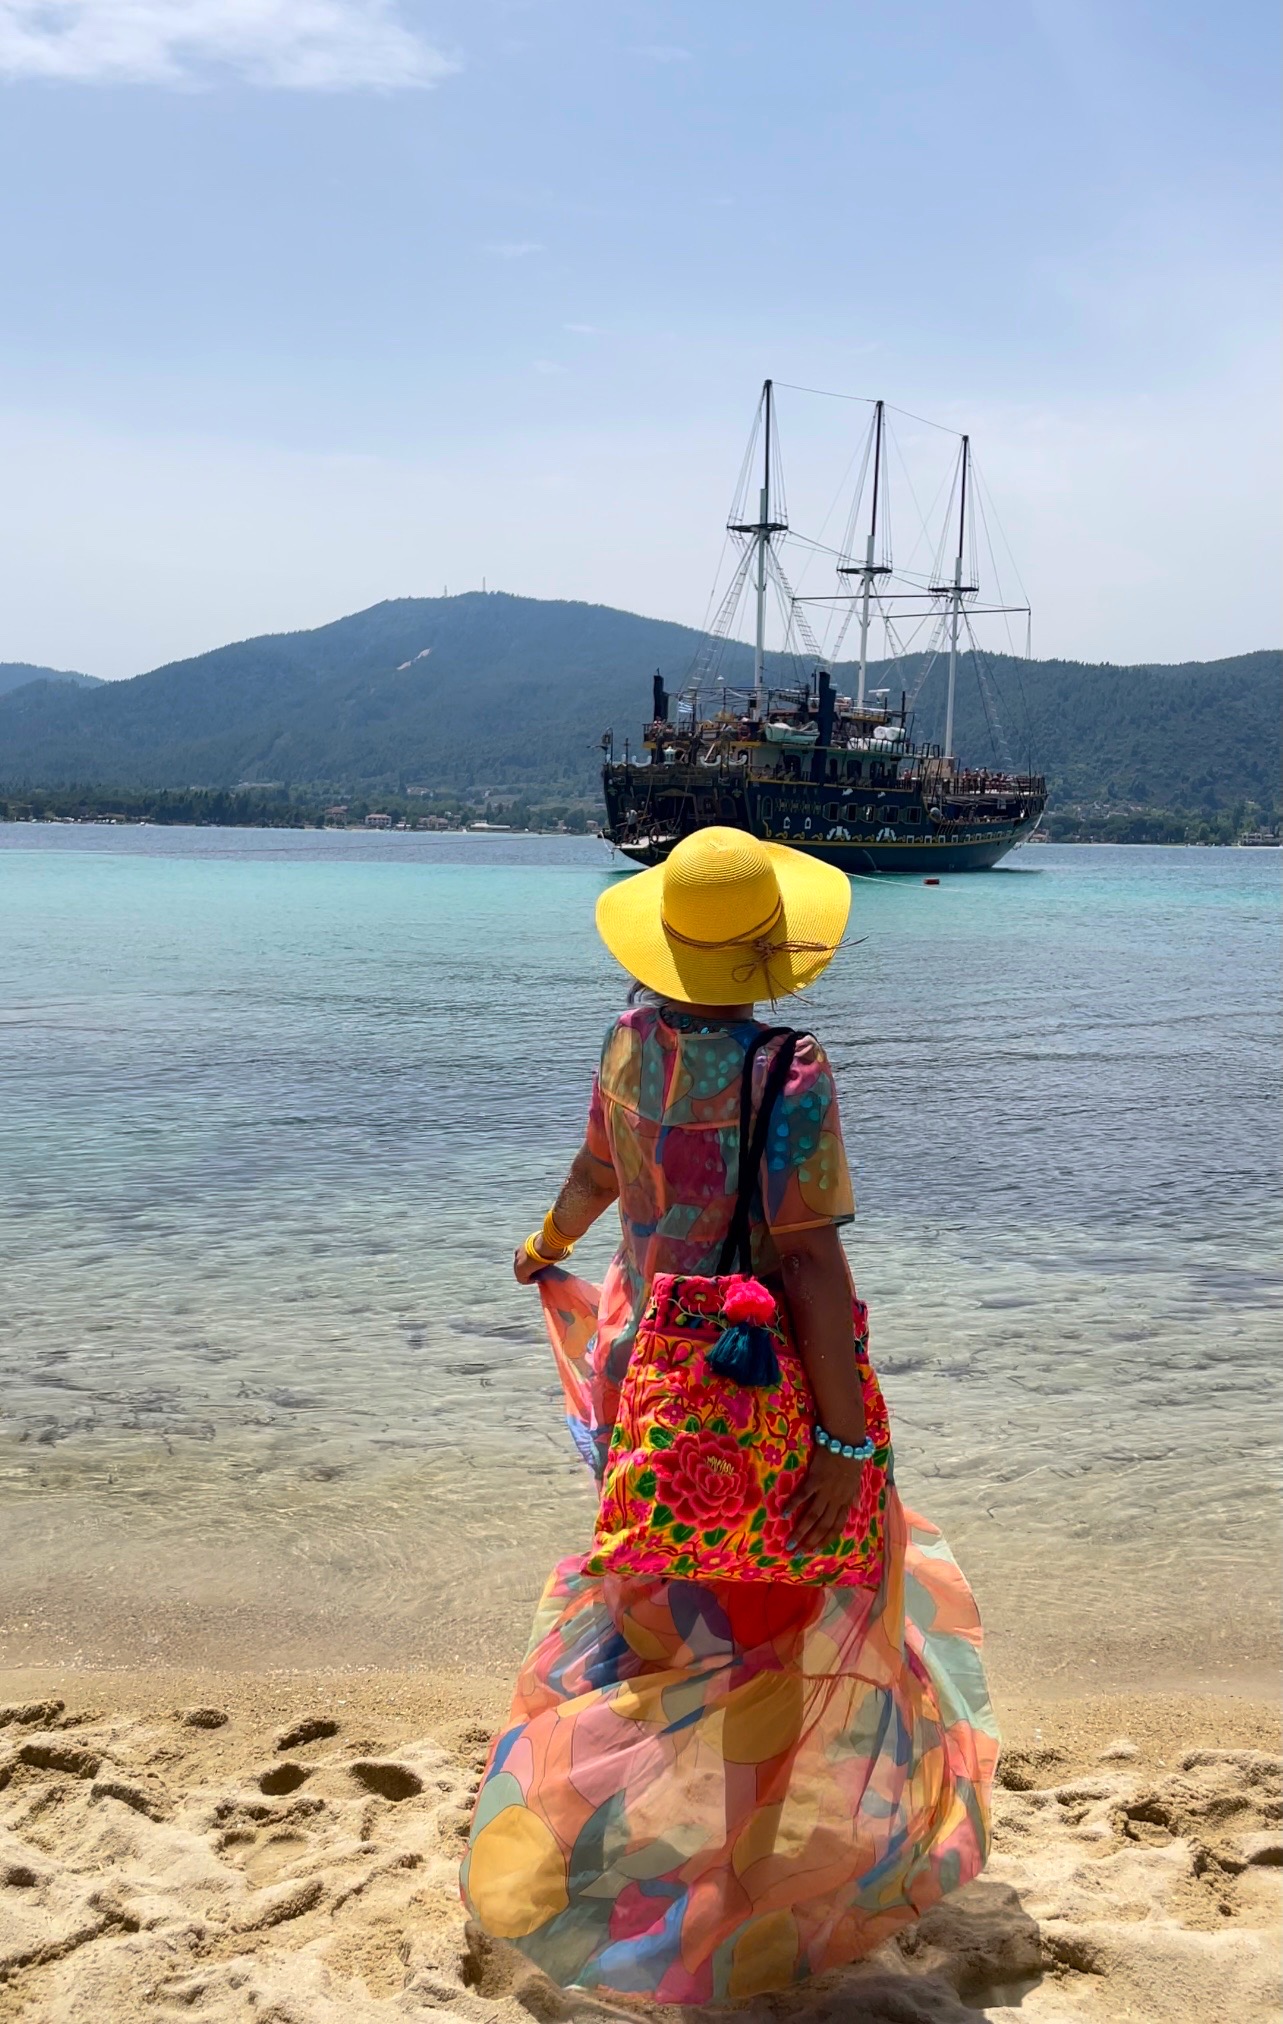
<point x="535" y="1255"/>
<point x="555" y="1239"/>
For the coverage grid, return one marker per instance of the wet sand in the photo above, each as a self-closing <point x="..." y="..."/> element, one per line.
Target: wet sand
<point x="283" y="1847"/>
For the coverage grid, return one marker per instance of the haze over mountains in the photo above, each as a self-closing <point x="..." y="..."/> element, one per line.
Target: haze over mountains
<point x="16" y="675"/>
<point x="491" y="690"/>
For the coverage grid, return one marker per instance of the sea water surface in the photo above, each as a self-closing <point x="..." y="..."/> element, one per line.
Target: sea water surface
<point x="278" y="1105"/>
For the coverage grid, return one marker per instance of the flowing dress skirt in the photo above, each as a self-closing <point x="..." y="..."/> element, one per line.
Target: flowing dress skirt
<point x="713" y="1789"/>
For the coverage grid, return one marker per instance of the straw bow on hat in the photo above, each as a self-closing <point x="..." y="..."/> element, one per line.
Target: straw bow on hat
<point x="726" y="919"/>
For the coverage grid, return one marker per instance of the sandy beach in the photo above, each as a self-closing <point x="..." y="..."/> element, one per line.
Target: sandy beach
<point x="283" y="1848"/>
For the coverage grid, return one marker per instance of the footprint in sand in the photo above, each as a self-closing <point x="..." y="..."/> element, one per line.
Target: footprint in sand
<point x="312" y="1729"/>
<point x="282" y="1778"/>
<point x="204" y="1718"/>
<point x="386" y="1780"/>
<point x="268" y="1858"/>
<point x="31" y="1714"/>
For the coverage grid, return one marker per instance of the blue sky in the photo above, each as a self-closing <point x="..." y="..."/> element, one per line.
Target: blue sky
<point x="313" y="302"/>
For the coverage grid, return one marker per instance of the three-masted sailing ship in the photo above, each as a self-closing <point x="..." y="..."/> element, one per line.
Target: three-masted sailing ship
<point x="806" y="764"/>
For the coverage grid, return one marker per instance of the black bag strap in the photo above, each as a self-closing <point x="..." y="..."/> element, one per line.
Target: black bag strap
<point x="737" y="1247"/>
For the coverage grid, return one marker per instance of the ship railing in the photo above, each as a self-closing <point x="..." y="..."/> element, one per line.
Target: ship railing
<point x="928" y="774"/>
<point x="972" y="783"/>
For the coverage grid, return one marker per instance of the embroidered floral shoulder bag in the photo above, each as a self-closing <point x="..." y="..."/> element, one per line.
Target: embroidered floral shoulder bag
<point x="716" y="1418"/>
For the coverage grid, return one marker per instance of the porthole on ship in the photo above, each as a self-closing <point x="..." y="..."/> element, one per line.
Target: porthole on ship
<point x="803" y="762"/>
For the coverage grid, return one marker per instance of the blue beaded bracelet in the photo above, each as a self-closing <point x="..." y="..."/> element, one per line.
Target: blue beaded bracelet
<point x="848" y="1451"/>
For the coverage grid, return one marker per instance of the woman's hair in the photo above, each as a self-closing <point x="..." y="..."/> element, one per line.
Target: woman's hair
<point x="641" y="994"/>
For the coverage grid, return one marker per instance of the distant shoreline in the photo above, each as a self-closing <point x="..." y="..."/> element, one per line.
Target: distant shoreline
<point x="491" y="829"/>
<point x="501" y="830"/>
<point x="550" y="809"/>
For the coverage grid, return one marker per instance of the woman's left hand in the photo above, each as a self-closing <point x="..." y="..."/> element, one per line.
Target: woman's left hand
<point x="821" y="1503"/>
<point x="524" y="1268"/>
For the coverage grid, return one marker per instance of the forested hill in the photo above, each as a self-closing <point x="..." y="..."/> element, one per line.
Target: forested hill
<point x="16" y="675"/>
<point x="492" y="691"/>
<point x="1199" y="735"/>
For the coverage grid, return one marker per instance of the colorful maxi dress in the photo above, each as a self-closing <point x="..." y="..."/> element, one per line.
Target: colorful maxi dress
<point x="710" y="1790"/>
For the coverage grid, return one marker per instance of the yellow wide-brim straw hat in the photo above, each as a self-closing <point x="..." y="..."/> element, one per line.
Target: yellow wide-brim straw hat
<point x="726" y="919"/>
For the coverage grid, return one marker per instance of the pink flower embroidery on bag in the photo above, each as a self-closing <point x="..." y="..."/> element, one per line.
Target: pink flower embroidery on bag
<point x="703" y="1478"/>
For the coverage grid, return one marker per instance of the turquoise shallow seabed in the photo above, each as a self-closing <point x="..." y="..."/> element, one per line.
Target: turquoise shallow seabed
<point x="277" y="1106"/>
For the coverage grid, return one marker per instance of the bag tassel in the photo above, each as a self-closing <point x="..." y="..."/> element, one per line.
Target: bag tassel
<point x="745" y="1353"/>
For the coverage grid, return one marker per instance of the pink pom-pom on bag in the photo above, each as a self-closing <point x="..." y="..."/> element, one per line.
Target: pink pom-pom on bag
<point x="748" y="1300"/>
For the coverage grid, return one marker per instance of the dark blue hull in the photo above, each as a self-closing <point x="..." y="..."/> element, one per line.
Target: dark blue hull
<point x="953" y="854"/>
<point x="650" y="808"/>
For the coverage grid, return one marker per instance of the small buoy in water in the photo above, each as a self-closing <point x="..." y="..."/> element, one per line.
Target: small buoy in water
<point x="930" y="881"/>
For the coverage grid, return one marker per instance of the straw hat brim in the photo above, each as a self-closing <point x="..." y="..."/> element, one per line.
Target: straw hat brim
<point x="816" y="900"/>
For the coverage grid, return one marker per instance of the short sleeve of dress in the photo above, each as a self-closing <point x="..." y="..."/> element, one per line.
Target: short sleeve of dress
<point x="806" y="1182"/>
<point x="595" y="1137"/>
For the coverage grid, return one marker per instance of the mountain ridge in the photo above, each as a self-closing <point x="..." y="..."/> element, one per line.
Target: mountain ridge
<point x="18" y="674"/>
<point x="490" y="690"/>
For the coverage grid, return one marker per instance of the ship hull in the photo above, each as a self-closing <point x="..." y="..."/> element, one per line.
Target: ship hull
<point x="649" y="809"/>
<point x="980" y="853"/>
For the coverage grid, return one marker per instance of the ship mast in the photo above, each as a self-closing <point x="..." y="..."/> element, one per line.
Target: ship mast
<point x="761" y="530"/>
<point x="868" y="569"/>
<point x="955" y="592"/>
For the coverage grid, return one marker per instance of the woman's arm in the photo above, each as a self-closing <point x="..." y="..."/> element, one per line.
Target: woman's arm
<point x="590" y="1187"/>
<point x="818" y="1293"/>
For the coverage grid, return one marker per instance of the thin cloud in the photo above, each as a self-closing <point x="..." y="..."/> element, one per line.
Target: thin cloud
<point x="515" y="249"/>
<point x="582" y="329"/>
<point x="285" y="45"/>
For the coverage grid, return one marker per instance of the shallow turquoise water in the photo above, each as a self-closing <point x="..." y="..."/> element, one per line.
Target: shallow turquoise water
<point x="277" y="1105"/>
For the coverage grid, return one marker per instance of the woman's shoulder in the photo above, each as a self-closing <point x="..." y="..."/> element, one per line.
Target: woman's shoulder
<point x="628" y="1033"/>
<point x="636" y="1023"/>
<point x="807" y="1046"/>
<point x="624" y="1051"/>
<point x="810" y="1069"/>
<point x="810" y="1051"/>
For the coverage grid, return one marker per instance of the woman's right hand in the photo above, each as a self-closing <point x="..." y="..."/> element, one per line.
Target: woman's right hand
<point x="821" y="1504"/>
<point x="590" y="1187"/>
<point x="524" y="1268"/>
